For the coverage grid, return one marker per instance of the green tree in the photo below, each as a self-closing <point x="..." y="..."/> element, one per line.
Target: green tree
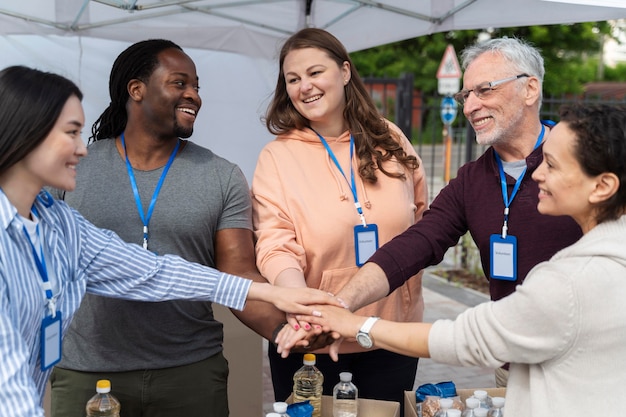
<point x="617" y="73"/>
<point x="571" y="53"/>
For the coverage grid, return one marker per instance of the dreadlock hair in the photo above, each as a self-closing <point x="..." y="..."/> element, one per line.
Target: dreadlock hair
<point x="374" y="142"/>
<point x="137" y="62"/>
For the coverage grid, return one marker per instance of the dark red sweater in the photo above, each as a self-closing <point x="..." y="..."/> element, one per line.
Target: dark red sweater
<point x="473" y="201"/>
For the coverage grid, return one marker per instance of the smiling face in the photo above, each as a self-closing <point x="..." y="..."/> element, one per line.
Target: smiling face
<point x="502" y="111"/>
<point x="315" y="86"/>
<point x="564" y="189"/>
<point x="53" y="162"/>
<point x="170" y="101"/>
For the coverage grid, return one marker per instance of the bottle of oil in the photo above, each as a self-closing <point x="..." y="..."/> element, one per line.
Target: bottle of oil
<point x="103" y="404"/>
<point x="308" y="384"/>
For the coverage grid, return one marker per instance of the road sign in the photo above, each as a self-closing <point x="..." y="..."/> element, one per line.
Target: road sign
<point x="449" y="73"/>
<point x="449" y="66"/>
<point x="448" y="86"/>
<point x="448" y="110"/>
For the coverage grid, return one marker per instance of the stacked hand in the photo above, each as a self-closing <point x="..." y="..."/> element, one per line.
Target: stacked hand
<point x="327" y="324"/>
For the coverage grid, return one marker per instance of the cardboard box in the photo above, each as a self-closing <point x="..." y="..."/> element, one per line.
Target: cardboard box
<point x="410" y="406"/>
<point x="367" y="408"/>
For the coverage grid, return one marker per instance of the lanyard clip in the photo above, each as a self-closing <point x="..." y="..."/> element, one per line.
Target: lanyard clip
<point x="363" y="222"/>
<point x="52" y="307"/>
<point x="361" y="215"/>
<point x="145" y="237"/>
<point x="505" y="226"/>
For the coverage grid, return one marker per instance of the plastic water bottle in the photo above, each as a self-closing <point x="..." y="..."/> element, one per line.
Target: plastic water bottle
<point x="103" y="404"/>
<point x="471" y="404"/>
<point x="496" y="408"/>
<point x="484" y="398"/>
<point x="345" y="396"/>
<point x="308" y="384"/>
<point x="280" y="409"/>
<point x="480" y="412"/>
<point x="445" y="404"/>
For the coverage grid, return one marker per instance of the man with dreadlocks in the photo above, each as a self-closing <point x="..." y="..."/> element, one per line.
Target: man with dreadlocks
<point x="143" y="180"/>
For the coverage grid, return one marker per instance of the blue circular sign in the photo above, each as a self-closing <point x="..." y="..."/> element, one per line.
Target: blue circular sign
<point x="448" y="110"/>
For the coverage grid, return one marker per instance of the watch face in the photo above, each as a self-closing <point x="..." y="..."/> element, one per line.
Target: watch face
<point x="364" y="340"/>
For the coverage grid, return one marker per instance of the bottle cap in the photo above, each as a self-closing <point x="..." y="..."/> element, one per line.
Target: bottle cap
<point x="498" y="401"/>
<point x="103" y="386"/>
<point x="472" y="402"/>
<point x="480" y="412"/>
<point x="453" y="412"/>
<point x="272" y="415"/>
<point x="309" y="359"/>
<point x="445" y="402"/>
<point x="480" y="394"/>
<point x="345" y="376"/>
<point x="280" y="407"/>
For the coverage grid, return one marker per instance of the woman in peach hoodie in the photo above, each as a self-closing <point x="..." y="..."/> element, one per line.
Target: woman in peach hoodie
<point x="338" y="182"/>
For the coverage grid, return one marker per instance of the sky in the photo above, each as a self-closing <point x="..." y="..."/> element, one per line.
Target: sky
<point x="615" y="52"/>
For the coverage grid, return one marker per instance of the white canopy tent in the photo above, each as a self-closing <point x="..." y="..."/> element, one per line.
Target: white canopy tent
<point x="257" y="27"/>
<point x="235" y="43"/>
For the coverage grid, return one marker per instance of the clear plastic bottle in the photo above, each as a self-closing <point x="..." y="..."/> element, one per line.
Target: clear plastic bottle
<point x="496" y="408"/>
<point x="480" y="412"/>
<point x="345" y="397"/>
<point x="280" y="409"/>
<point x="308" y="384"/>
<point x="445" y="404"/>
<point x="484" y="398"/>
<point x="103" y="404"/>
<point x="471" y="404"/>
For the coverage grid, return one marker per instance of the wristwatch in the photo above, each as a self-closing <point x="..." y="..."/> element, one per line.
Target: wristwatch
<point x="363" y="336"/>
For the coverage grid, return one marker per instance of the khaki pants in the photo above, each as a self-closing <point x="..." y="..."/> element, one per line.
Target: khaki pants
<point x="195" y="390"/>
<point x="502" y="377"/>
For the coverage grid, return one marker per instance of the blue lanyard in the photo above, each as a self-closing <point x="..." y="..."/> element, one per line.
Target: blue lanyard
<point x="351" y="182"/>
<point x="508" y="200"/>
<point x="40" y="262"/>
<point x="146" y="218"/>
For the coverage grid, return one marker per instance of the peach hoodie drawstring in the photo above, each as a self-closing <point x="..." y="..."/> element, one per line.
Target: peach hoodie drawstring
<point x="366" y="201"/>
<point x="343" y="196"/>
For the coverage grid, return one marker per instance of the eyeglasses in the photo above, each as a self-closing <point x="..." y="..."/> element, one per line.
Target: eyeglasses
<point x="483" y="90"/>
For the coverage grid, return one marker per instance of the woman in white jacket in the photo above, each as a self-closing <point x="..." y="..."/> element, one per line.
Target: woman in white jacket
<point x="564" y="329"/>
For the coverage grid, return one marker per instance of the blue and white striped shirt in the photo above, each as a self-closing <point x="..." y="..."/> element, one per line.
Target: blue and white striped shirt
<point x="83" y="258"/>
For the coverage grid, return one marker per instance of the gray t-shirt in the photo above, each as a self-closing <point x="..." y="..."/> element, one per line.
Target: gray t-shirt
<point x="201" y="194"/>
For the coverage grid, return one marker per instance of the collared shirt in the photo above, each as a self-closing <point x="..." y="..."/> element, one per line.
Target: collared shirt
<point x="84" y="259"/>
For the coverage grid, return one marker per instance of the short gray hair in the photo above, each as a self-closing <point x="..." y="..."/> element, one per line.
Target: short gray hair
<point x="521" y="55"/>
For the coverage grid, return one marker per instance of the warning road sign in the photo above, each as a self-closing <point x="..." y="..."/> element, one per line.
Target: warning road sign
<point x="449" y="66"/>
<point x="449" y="73"/>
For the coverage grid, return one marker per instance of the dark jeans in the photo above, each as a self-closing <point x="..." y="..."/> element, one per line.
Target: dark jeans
<point x="378" y="374"/>
<point x="195" y="390"/>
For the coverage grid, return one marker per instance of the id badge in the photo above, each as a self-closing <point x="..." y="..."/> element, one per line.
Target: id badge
<point x="365" y="242"/>
<point x="50" y="341"/>
<point x="503" y="257"/>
